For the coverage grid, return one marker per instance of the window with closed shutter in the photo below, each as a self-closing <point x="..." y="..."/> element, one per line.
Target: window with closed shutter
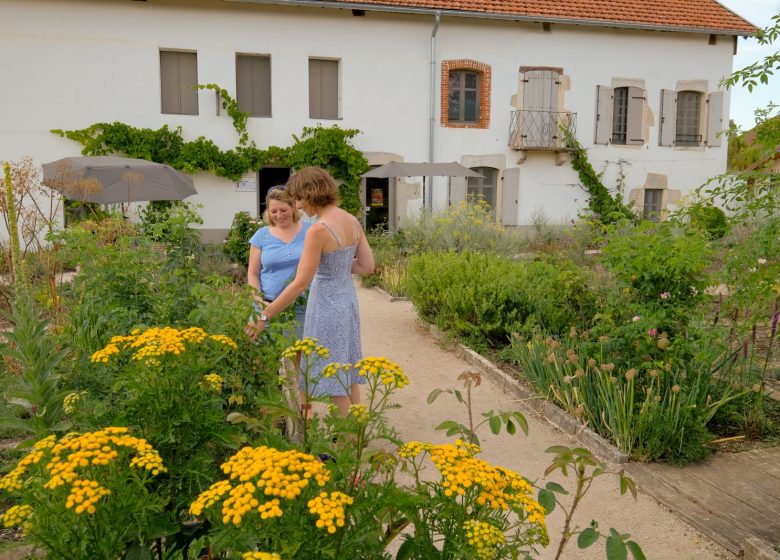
<point x="253" y="84"/>
<point x="178" y="82"/>
<point x="323" y="89"/>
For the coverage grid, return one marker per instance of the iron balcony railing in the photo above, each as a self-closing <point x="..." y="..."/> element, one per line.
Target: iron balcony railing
<point x="681" y="139"/>
<point x="540" y="130"/>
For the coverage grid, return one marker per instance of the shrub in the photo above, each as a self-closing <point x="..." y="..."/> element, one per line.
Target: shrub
<point x="236" y="246"/>
<point x="710" y="219"/>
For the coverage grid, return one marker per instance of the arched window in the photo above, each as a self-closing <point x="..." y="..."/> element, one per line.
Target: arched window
<point x="484" y="187"/>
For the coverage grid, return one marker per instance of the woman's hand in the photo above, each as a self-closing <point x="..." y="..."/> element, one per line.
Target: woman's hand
<point x="254" y="327"/>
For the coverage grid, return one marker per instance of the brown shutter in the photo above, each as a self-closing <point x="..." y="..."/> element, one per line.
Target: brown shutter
<point x="330" y="89"/>
<point x="188" y="73"/>
<point x="636" y="102"/>
<point x="315" y="81"/>
<point x="667" y="127"/>
<point x="457" y="190"/>
<point x="169" y="82"/>
<point x="714" y="118"/>
<point x="261" y="86"/>
<point x="603" y="114"/>
<point x="244" y="93"/>
<point x="510" y="198"/>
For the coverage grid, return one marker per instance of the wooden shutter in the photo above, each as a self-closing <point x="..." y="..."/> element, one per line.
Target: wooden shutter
<point x="457" y="190"/>
<point x="714" y="118"/>
<point x="253" y="84"/>
<point x="667" y="127"/>
<point x="636" y="103"/>
<point x="510" y="197"/>
<point x="540" y="101"/>
<point x="603" y="114"/>
<point x="323" y="89"/>
<point x="178" y="78"/>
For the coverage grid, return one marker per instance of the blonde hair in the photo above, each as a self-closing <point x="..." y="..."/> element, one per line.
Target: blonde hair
<point x="280" y="194"/>
<point x="315" y="186"/>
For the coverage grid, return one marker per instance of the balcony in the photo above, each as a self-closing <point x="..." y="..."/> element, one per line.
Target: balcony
<point x="540" y="130"/>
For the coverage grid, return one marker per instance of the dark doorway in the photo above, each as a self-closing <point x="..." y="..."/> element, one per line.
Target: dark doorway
<point x="377" y="203"/>
<point x="266" y="178"/>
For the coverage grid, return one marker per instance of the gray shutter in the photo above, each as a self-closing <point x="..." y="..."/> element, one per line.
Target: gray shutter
<point x="315" y="85"/>
<point x="457" y="190"/>
<point x="261" y="86"/>
<point x="244" y="94"/>
<point x="636" y="102"/>
<point x="603" y="114"/>
<point x="330" y="89"/>
<point x="540" y="101"/>
<point x="714" y="118"/>
<point x="667" y="127"/>
<point x="510" y="198"/>
<point x="169" y="82"/>
<point x="188" y="72"/>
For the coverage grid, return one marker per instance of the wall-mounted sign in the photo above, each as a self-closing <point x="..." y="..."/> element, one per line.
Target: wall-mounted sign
<point x="377" y="197"/>
<point x="247" y="185"/>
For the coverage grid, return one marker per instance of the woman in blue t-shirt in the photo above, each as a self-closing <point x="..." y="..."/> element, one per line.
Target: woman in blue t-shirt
<point x="275" y="250"/>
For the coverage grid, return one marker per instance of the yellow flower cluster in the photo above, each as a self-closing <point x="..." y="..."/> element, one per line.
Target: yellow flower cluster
<point x="258" y="472"/>
<point x="330" y="510"/>
<point x="308" y="347"/>
<point x="16" y="515"/>
<point x="497" y="487"/>
<point x="260" y="556"/>
<point x="157" y="341"/>
<point x="389" y="373"/>
<point x="334" y="367"/>
<point x="13" y="480"/>
<point x="84" y="494"/>
<point x="70" y="401"/>
<point x="214" y="382"/>
<point x="484" y="537"/>
<point x="359" y="411"/>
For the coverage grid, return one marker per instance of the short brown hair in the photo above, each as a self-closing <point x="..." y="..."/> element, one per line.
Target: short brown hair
<point x="280" y="193"/>
<point x="314" y="186"/>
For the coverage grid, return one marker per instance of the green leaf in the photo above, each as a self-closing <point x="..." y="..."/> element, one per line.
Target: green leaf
<point x="521" y="421"/>
<point x="636" y="550"/>
<point x="405" y="550"/>
<point x="448" y="425"/>
<point x="495" y="424"/>
<point x="433" y="394"/>
<point x="510" y="427"/>
<point x="616" y="549"/>
<point x="555" y="487"/>
<point x="138" y="552"/>
<point x="547" y="500"/>
<point x="458" y="395"/>
<point x="627" y="483"/>
<point x="558" y="449"/>
<point x="587" y="537"/>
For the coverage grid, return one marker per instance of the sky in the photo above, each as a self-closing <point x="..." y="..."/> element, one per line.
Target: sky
<point x="743" y="102"/>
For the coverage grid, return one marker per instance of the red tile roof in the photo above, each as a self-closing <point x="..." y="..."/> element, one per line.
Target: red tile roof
<point x="683" y="15"/>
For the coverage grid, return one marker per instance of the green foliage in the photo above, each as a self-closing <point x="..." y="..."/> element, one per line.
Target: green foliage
<point x="760" y="71"/>
<point x="483" y="298"/>
<point x="605" y="207"/>
<point x="35" y="392"/>
<point x="236" y="246"/>
<point x="709" y="219"/>
<point x="231" y="106"/>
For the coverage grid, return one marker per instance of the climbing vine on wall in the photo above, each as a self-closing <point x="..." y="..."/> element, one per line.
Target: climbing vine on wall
<point x="606" y="207"/>
<point x="328" y="147"/>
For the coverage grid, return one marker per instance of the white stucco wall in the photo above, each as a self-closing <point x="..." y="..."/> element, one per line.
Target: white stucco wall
<point x="71" y="64"/>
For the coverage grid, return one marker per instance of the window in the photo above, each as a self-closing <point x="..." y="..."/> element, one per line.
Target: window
<point x="484" y="187"/>
<point x="253" y="84"/>
<point x="691" y="118"/>
<point x="688" y="108"/>
<point x="323" y="89"/>
<point x="620" y="115"/>
<point x="652" y="206"/>
<point x="465" y="94"/>
<point x="178" y="81"/>
<point x="464" y="97"/>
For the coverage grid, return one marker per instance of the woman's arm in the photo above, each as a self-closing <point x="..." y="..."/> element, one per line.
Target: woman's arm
<point x="313" y="244"/>
<point x="364" y="257"/>
<point x="253" y="271"/>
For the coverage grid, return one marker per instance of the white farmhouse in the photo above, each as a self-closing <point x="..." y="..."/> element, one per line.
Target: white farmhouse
<point x="486" y="83"/>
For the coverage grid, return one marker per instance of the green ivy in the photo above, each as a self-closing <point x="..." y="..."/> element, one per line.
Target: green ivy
<point x="330" y="148"/>
<point x="607" y="208"/>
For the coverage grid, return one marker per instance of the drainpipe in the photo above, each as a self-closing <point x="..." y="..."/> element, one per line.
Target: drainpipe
<point x="428" y="194"/>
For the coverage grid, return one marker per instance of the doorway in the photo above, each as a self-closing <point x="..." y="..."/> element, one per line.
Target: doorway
<point x="269" y="177"/>
<point x="377" y="203"/>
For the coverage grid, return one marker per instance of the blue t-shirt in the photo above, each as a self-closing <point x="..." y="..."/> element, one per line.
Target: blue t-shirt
<point x="278" y="260"/>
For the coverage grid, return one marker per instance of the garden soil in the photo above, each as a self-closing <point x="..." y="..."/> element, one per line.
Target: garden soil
<point x="392" y="330"/>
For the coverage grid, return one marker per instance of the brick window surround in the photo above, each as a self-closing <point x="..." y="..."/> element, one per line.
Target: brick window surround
<point x="448" y="66"/>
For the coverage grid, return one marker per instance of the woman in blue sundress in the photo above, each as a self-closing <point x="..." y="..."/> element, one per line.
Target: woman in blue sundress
<point x="334" y="249"/>
<point x="275" y="250"/>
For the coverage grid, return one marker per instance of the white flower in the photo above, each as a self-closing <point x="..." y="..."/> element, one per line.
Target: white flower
<point x="762" y="260"/>
<point x="635" y="318"/>
<point x="752" y="269"/>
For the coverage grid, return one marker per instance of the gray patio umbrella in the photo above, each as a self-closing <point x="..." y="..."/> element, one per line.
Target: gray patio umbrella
<point x="407" y="169"/>
<point x="114" y="180"/>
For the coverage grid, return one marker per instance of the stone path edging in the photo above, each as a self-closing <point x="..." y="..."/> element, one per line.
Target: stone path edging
<point x="533" y="402"/>
<point x="390" y="297"/>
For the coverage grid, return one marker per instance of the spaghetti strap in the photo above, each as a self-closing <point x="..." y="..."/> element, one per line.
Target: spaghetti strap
<point x="333" y="233"/>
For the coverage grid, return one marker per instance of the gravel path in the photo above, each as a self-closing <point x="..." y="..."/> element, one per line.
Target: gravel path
<point x="392" y="330"/>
